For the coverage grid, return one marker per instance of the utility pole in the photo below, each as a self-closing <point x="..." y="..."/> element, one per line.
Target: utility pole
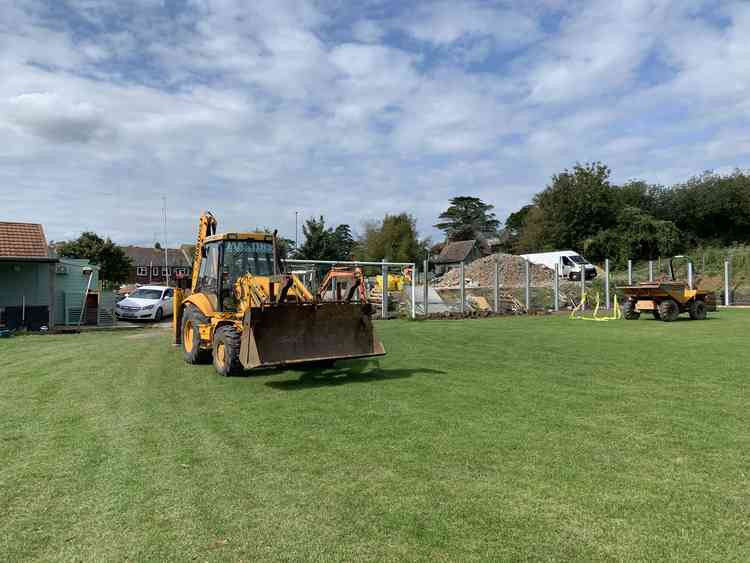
<point x="166" y="246"/>
<point x="296" y="232"/>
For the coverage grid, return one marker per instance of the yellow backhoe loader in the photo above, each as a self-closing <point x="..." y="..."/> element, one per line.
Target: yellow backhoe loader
<point x="246" y="312"/>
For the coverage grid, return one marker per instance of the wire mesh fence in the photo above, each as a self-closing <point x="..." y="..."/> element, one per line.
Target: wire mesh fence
<point x="506" y="284"/>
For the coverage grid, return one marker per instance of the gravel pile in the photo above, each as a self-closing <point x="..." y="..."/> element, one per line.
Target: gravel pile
<point x="512" y="272"/>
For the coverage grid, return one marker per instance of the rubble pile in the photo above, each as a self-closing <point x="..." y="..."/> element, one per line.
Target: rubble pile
<point x="512" y="272"/>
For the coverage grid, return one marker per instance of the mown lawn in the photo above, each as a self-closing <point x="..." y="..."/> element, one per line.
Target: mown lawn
<point x="537" y="439"/>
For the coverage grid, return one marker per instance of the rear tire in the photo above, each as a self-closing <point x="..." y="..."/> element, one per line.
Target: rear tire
<point x="698" y="310"/>
<point x="629" y="312"/>
<point x="227" y="351"/>
<point x="669" y="310"/>
<point x="191" y="336"/>
<point x="656" y="314"/>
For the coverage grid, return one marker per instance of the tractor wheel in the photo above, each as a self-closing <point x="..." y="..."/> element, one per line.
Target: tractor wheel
<point x="227" y="350"/>
<point x="698" y="310"/>
<point x="669" y="310"/>
<point x="629" y="312"/>
<point x="191" y="336"/>
<point x="656" y="314"/>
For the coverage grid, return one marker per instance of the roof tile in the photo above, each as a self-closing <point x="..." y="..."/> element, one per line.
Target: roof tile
<point x="22" y="240"/>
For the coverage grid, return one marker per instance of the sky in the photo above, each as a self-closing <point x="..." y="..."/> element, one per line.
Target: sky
<point x="351" y="110"/>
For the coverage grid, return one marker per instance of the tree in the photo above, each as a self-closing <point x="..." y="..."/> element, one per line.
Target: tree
<point x="573" y="208"/>
<point x="468" y="218"/>
<point x="636" y="235"/>
<point x="157" y="245"/>
<point x="514" y="226"/>
<point x="394" y="239"/>
<point x="343" y="242"/>
<point x="115" y="265"/>
<point x="325" y="243"/>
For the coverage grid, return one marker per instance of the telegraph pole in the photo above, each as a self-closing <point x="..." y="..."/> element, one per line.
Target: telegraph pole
<point x="296" y="231"/>
<point x="166" y="246"/>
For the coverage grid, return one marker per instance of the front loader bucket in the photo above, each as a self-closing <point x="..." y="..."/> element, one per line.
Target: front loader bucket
<point x="292" y="333"/>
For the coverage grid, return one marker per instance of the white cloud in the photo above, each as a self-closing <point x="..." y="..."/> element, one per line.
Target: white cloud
<point x="250" y="108"/>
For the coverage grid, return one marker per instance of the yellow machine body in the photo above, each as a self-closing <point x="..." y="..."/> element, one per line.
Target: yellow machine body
<point x="244" y="319"/>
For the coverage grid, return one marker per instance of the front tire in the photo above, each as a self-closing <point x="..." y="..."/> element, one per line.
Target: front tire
<point x="629" y="311"/>
<point x="669" y="310"/>
<point x="226" y="350"/>
<point x="191" y="336"/>
<point x="159" y="315"/>
<point x="698" y="310"/>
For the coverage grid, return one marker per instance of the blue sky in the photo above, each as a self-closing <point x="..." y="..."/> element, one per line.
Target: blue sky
<point x="352" y="110"/>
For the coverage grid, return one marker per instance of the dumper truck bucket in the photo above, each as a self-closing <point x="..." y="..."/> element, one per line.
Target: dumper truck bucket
<point x="293" y="334"/>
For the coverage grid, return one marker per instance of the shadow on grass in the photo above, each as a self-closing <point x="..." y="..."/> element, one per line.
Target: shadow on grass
<point x="357" y="371"/>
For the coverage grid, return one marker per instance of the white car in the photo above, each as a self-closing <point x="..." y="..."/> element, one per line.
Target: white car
<point x="147" y="302"/>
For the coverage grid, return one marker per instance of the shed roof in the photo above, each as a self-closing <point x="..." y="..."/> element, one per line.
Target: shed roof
<point x="145" y="256"/>
<point x="23" y="240"/>
<point x="454" y="252"/>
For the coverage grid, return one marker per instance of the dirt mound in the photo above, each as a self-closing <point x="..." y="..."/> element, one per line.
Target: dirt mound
<point x="512" y="272"/>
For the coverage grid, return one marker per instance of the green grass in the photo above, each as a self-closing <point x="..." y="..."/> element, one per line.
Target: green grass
<point x="539" y="439"/>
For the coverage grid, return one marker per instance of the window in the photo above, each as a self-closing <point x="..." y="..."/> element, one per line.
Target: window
<point x="168" y="294"/>
<point x="141" y="271"/>
<point x="154" y="271"/>
<point x="566" y="261"/>
<point x="165" y="271"/>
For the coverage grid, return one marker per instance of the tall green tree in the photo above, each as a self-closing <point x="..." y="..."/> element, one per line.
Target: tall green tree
<point x="635" y="234"/>
<point x="394" y="239"/>
<point x="325" y="243"/>
<point x="514" y="226"/>
<point x="115" y="265"/>
<point x="574" y="207"/>
<point x="468" y="218"/>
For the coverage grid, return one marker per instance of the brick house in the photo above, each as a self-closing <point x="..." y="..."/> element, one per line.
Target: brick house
<point x="149" y="267"/>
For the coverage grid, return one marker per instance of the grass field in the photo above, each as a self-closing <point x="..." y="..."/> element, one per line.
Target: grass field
<point x="537" y="439"/>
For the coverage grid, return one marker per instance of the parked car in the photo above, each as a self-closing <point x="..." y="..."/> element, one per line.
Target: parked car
<point x="147" y="302"/>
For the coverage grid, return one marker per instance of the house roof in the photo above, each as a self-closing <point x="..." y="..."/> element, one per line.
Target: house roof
<point x="23" y="240"/>
<point x="454" y="252"/>
<point x="147" y="256"/>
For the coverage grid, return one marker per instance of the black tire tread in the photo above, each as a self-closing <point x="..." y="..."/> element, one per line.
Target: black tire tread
<point x="232" y="341"/>
<point x="669" y="310"/>
<point x="629" y="312"/>
<point x="698" y="310"/>
<point x="198" y="355"/>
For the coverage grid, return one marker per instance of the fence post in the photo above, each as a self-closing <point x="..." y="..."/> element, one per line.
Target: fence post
<point x="426" y="288"/>
<point x="497" y="287"/>
<point x="606" y="283"/>
<point x="690" y="275"/>
<point x="630" y="272"/>
<point x="726" y="283"/>
<point x="650" y="270"/>
<point x="462" y="286"/>
<point x="527" y="287"/>
<point x="583" y="289"/>
<point x="384" y="294"/>
<point x="414" y="290"/>
<point x="556" y="286"/>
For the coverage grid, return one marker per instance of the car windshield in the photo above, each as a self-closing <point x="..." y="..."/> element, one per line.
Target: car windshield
<point x="247" y="256"/>
<point x="146" y="294"/>
<point x="577" y="259"/>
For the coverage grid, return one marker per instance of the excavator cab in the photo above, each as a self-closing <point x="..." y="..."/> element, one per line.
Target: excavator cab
<point x="246" y="312"/>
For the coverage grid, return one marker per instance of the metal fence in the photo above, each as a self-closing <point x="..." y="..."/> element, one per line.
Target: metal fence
<point x="541" y="289"/>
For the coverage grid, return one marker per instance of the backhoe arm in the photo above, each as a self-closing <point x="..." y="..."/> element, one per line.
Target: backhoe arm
<point x="206" y="228"/>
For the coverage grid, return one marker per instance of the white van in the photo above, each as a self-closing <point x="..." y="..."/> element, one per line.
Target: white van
<point x="570" y="263"/>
